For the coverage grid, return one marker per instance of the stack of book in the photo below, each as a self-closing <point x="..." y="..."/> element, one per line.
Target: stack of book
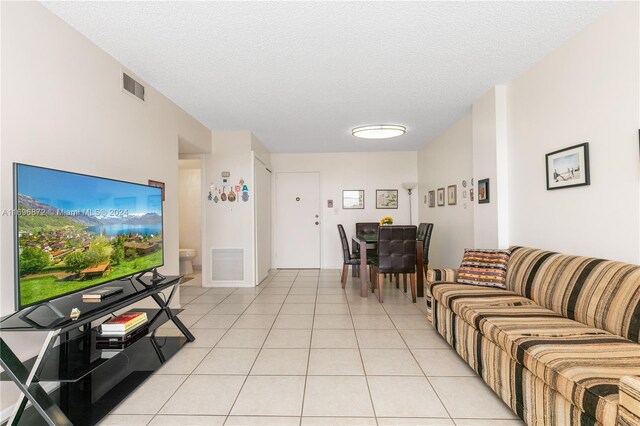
<point x="96" y="295"/>
<point x="121" y="331"/>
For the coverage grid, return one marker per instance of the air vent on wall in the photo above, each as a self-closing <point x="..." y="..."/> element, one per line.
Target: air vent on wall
<point x="132" y="86"/>
<point x="227" y="264"/>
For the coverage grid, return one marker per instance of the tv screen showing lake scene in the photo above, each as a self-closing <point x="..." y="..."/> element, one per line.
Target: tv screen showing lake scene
<point x="76" y="231"/>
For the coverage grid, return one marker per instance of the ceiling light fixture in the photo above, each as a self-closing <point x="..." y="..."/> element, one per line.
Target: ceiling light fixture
<point x="378" y="131"/>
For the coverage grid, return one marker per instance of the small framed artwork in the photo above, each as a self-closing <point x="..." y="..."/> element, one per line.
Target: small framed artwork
<point x="157" y="184"/>
<point x="483" y="191"/>
<point x="353" y="199"/>
<point x="432" y="198"/>
<point x="386" y="198"/>
<point x="440" y="196"/>
<point x="452" y="194"/>
<point x="568" y="167"/>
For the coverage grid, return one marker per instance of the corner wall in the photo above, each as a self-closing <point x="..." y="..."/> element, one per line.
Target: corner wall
<point x="585" y="91"/>
<point x="230" y="224"/>
<point x="62" y="107"/>
<point x="357" y="170"/>
<point x="448" y="160"/>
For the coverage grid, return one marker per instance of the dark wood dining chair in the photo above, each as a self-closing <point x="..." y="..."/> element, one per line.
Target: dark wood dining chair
<point x="348" y="257"/>
<point x="396" y="254"/>
<point x="364" y="228"/>
<point x="424" y="234"/>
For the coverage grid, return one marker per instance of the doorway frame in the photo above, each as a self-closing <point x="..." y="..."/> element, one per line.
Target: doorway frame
<point x="255" y="157"/>
<point x="274" y="256"/>
<point x="203" y="206"/>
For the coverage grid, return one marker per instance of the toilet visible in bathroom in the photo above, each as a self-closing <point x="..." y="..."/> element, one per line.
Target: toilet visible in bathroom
<point x="186" y="261"/>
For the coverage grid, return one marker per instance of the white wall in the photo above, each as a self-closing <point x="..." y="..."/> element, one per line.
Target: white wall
<point x="585" y="91"/>
<point x="62" y="107"/>
<point x="448" y="160"/>
<point x="489" y="124"/>
<point x="230" y="225"/>
<point x="190" y="206"/>
<point x="339" y="171"/>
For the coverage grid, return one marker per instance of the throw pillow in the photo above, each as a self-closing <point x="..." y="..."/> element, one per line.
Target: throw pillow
<point x="484" y="267"/>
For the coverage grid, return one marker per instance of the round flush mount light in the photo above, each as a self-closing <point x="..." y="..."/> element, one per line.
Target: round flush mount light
<point x="378" y="131"/>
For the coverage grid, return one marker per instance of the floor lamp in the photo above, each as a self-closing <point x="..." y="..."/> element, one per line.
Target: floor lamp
<point x="409" y="187"/>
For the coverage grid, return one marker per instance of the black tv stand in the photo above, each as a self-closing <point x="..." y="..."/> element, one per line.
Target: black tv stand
<point x="91" y="385"/>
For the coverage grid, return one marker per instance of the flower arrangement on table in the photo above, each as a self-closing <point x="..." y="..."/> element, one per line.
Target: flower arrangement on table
<point x="387" y="220"/>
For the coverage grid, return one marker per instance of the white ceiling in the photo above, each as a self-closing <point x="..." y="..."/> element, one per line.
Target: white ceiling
<point x="300" y="75"/>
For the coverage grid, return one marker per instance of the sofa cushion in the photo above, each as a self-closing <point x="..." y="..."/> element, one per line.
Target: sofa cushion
<point x="582" y="363"/>
<point x="600" y="293"/>
<point x="484" y="267"/>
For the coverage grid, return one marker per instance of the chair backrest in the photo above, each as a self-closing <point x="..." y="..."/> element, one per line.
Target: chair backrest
<point x="345" y="243"/>
<point x="367" y="227"/>
<point x="397" y="249"/>
<point x="424" y="234"/>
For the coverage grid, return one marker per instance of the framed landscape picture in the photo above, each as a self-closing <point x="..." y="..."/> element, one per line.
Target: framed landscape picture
<point x="353" y="199"/>
<point x="440" y="196"/>
<point x="568" y="167"/>
<point x="483" y="191"/>
<point x="157" y="184"/>
<point x="432" y="198"/>
<point x="452" y="194"/>
<point x="386" y="198"/>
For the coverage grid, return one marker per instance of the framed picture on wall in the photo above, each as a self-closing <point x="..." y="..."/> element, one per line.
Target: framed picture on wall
<point x="386" y="198"/>
<point x="432" y="198"/>
<point x="452" y="194"/>
<point x="440" y="196"/>
<point x="353" y="199"/>
<point x="157" y="184"/>
<point x="483" y="191"/>
<point x="568" y="167"/>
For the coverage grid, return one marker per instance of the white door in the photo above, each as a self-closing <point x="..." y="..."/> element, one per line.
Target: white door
<point x="297" y="220"/>
<point x="263" y="220"/>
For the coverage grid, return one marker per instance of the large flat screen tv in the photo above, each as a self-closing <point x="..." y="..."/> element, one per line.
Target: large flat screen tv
<point x="74" y="231"/>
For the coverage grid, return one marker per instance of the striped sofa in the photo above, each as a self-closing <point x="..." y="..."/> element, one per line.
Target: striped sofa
<point x="559" y="345"/>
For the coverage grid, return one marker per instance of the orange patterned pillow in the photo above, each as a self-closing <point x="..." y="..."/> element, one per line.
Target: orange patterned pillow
<point x="484" y="267"/>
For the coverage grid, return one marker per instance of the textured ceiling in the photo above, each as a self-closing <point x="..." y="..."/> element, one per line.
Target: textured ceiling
<point x="300" y="75"/>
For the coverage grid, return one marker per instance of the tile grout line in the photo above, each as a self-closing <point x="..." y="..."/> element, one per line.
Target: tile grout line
<point x="419" y="366"/>
<point x="189" y="375"/>
<point x="364" y="371"/>
<point x="207" y="354"/>
<point x="259" y="352"/>
<point x="306" y="376"/>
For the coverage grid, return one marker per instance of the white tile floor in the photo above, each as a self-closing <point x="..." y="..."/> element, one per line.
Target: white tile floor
<point x="298" y="350"/>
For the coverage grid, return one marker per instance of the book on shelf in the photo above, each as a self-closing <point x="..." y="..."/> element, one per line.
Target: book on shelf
<point x="121" y="342"/>
<point x="123" y="324"/>
<point x="100" y="293"/>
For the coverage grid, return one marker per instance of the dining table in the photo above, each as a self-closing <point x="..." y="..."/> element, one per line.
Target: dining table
<point x="369" y="241"/>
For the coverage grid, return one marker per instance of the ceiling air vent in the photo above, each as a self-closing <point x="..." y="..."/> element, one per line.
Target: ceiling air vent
<point x="132" y="86"/>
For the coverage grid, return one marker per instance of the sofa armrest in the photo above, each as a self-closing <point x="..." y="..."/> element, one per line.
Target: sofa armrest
<point x="629" y="402"/>
<point x="436" y="275"/>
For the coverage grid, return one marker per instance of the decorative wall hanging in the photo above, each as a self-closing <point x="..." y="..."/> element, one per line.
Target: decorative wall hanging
<point x="353" y="199"/>
<point x="568" y="167"/>
<point x="471" y="194"/>
<point x="386" y="198"/>
<point x="432" y="198"/>
<point x="452" y="194"/>
<point x="440" y="197"/>
<point x="157" y="184"/>
<point x="483" y="191"/>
